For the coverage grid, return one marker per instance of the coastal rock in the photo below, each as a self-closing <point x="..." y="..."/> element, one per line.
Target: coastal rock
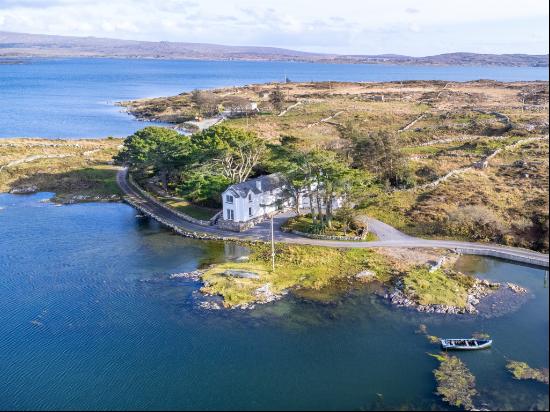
<point x="486" y="283"/>
<point x="193" y="275"/>
<point x="237" y="273"/>
<point x="517" y="289"/>
<point x="88" y="198"/>
<point x="366" y="275"/>
<point x="22" y="190"/>
<point x="437" y="265"/>
<point x="78" y="198"/>
<point x="266" y="295"/>
<point x="480" y="289"/>
<point x="208" y="305"/>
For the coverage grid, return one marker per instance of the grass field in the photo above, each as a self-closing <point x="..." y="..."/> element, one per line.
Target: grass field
<point x="76" y="170"/>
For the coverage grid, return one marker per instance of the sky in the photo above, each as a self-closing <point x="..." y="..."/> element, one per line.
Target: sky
<point x="410" y="27"/>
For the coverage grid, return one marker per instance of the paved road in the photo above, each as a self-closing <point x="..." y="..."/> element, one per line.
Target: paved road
<point x="388" y="236"/>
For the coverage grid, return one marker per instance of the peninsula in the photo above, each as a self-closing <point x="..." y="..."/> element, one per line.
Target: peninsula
<point x="369" y="170"/>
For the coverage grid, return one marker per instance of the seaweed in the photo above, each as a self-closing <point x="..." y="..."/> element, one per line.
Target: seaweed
<point x="455" y="383"/>
<point x="423" y="330"/>
<point x="481" y="335"/>
<point x="522" y="371"/>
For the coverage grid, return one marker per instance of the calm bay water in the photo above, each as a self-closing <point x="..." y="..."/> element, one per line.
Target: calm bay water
<point x="90" y="319"/>
<point x="72" y="98"/>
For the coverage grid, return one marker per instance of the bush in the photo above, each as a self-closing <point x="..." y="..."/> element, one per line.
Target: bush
<point x="476" y="222"/>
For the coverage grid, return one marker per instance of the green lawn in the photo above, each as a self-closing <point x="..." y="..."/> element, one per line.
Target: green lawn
<point x="197" y="212"/>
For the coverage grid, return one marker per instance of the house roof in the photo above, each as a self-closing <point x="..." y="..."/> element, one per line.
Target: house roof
<point x="267" y="183"/>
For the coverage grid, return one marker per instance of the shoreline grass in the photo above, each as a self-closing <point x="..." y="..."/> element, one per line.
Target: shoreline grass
<point x="310" y="267"/>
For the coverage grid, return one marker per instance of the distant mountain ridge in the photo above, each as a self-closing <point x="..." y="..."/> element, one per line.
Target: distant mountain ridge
<point x="21" y="45"/>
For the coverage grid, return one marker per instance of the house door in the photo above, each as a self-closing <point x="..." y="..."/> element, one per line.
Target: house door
<point x="230" y="214"/>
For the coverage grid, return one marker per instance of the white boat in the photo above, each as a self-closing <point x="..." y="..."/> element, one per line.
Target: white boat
<point x="465" y="344"/>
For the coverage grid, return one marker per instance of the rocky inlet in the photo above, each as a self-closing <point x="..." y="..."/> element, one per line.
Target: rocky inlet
<point x="481" y="289"/>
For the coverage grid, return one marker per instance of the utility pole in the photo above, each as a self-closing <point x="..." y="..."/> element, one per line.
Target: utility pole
<point x="272" y="247"/>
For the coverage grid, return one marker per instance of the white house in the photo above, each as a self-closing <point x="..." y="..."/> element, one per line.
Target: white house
<point x="250" y="202"/>
<point x="246" y="203"/>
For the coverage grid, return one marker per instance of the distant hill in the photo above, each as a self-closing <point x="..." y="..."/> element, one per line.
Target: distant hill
<point x="21" y="45"/>
<point x="458" y="59"/>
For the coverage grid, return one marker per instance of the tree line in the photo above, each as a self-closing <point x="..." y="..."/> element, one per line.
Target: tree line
<point x="202" y="165"/>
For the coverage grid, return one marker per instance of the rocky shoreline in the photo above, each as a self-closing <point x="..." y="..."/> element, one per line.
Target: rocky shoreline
<point x="264" y="293"/>
<point x="480" y="290"/>
<point x="477" y="302"/>
<point x="66" y="200"/>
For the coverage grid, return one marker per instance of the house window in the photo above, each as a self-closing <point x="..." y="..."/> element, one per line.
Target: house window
<point x="249" y="211"/>
<point x="230" y="214"/>
<point x="250" y="197"/>
<point x="228" y="199"/>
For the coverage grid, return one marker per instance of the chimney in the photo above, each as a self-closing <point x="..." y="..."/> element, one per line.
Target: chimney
<point x="259" y="184"/>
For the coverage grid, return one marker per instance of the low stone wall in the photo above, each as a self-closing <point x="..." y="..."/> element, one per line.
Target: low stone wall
<point x="178" y="213"/>
<point x="241" y="226"/>
<point x="175" y="228"/>
<point x="234" y="226"/>
<point x="323" y="237"/>
<point x="503" y="254"/>
<point x="214" y="219"/>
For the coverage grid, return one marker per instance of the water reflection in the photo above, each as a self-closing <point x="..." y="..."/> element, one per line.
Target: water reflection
<point x="91" y="319"/>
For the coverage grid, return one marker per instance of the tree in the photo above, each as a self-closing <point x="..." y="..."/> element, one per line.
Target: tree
<point x="380" y="154"/>
<point x="155" y="151"/>
<point x="477" y="222"/>
<point x="232" y="152"/>
<point x="345" y="215"/>
<point x="333" y="179"/>
<point x="203" y="187"/>
<point x="206" y="101"/>
<point x="321" y="175"/>
<point x="297" y="165"/>
<point x="238" y="104"/>
<point x="277" y="99"/>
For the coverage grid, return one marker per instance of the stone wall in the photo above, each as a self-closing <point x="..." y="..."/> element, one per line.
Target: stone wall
<point x="175" y="228"/>
<point x="323" y="237"/>
<point x="177" y="212"/>
<point x="242" y="226"/>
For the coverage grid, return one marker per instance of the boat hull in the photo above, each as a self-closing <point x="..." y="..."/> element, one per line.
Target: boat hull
<point x="465" y="344"/>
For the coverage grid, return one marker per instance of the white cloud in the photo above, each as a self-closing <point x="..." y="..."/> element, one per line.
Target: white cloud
<point x="416" y="27"/>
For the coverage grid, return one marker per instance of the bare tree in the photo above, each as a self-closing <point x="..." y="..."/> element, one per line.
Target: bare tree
<point x="207" y="102"/>
<point x="277" y="99"/>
